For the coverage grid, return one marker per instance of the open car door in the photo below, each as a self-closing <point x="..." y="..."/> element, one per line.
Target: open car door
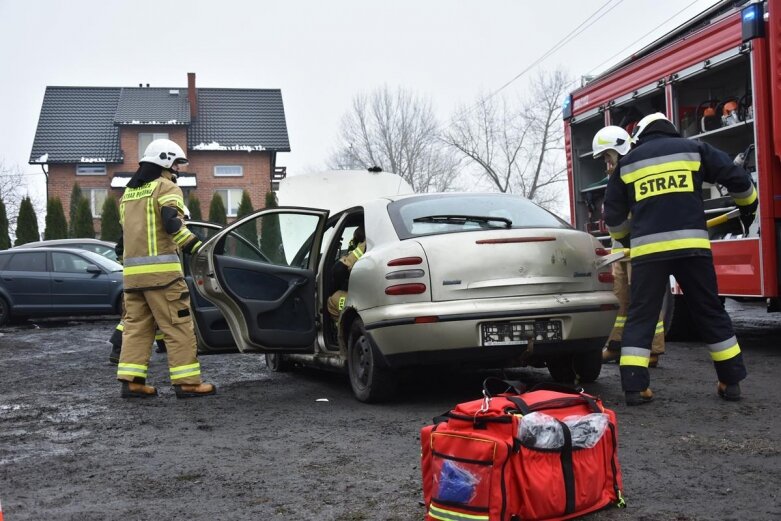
<point x="260" y="273"/>
<point x="211" y="329"/>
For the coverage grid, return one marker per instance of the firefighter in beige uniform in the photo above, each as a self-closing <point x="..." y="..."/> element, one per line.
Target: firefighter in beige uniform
<point x="610" y="143"/>
<point x="151" y="214"/>
<point x="341" y="273"/>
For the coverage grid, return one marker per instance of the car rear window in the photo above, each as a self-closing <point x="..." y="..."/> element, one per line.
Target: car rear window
<point x="444" y="213"/>
<point x="32" y="261"/>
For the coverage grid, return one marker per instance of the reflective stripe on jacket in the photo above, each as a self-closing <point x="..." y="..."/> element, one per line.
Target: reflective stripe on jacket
<point x="660" y="183"/>
<point x="150" y="253"/>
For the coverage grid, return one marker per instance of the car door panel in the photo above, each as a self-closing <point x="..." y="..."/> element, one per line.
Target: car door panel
<point x="265" y="289"/>
<point x="211" y="328"/>
<point x="28" y="281"/>
<point x="75" y="289"/>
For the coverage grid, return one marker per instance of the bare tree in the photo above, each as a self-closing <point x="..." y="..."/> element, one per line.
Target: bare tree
<point x="397" y="131"/>
<point x="517" y="148"/>
<point x="12" y="190"/>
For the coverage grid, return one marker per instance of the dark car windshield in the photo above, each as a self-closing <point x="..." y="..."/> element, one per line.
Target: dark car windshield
<point x="450" y="213"/>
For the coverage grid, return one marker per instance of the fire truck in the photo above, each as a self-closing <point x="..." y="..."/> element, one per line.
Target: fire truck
<point x="718" y="78"/>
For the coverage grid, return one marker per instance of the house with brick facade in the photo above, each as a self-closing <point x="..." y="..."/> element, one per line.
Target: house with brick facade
<point x="96" y="135"/>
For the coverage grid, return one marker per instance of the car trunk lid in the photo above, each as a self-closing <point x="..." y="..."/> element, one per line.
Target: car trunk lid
<point x="506" y="263"/>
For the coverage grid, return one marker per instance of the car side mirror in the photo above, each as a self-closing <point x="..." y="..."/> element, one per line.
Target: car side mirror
<point x="91" y="268"/>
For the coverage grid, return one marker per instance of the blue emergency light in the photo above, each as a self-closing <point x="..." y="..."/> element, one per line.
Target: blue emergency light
<point x="753" y="21"/>
<point x="566" y="107"/>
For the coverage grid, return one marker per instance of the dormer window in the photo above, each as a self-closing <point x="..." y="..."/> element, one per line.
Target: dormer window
<point x="144" y="138"/>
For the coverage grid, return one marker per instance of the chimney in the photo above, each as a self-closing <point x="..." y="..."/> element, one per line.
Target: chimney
<point x="192" y="95"/>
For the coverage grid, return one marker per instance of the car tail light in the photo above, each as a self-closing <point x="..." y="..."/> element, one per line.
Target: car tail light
<point x="405" y="274"/>
<point x="601" y="252"/>
<point x="606" y="277"/>
<point x="608" y="307"/>
<point x="405" y="261"/>
<point x="426" y="320"/>
<point x="406" y="289"/>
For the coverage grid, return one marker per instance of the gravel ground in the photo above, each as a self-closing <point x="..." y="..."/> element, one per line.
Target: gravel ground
<point x="267" y="447"/>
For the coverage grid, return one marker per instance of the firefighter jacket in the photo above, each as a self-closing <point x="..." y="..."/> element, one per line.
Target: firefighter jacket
<point x="153" y="231"/>
<point x="659" y="182"/>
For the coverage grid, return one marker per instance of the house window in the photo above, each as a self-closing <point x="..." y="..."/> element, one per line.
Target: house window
<point x="231" y="197"/>
<point x="228" y="171"/>
<point x="96" y="197"/>
<point x="144" y="138"/>
<point x="91" y="170"/>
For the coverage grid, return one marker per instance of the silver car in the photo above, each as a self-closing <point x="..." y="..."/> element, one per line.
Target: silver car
<point x="489" y="280"/>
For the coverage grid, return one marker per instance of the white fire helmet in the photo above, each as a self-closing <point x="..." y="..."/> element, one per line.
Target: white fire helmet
<point x="647" y="120"/>
<point x="611" y="138"/>
<point x="165" y="153"/>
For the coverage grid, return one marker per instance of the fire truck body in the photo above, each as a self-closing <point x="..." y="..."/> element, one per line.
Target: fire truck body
<point x="718" y="78"/>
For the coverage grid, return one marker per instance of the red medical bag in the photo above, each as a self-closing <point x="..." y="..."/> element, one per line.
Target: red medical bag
<point x="547" y="453"/>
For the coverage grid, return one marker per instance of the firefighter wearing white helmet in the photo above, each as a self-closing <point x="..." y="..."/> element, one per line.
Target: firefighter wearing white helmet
<point x="659" y="182"/>
<point x="610" y="143"/>
<point x="152" y="218"/>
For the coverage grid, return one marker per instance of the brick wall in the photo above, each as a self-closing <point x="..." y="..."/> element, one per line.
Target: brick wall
<point x="256" y="179"/>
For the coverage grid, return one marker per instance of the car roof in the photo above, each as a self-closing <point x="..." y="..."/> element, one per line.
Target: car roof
<point x="58" y="242"/>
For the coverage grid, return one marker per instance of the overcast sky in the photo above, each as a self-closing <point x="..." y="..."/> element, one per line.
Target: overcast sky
<point x="319" y="53"/>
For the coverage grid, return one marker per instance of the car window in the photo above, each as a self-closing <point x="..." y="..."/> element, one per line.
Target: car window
<point x="32" y="261"/>
<point x="270" y="238"/>
<point x="69" y="263"/>
<point x="439" y="214"/>
<point x="100" y="249"/>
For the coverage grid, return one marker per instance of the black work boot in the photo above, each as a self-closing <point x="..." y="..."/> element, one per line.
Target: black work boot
<point x="160" y="346"/>
<point x="639" y="398"/>
<point x="116" y="349"/>
<point x="729" y="392"/>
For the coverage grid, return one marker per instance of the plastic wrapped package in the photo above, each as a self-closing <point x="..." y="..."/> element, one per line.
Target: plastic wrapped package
<point x="456" y="484"/>
<point x="540" y="431"/>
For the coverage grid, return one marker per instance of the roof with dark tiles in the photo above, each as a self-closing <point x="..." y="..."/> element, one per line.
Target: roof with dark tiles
<point x="239" y="119"/>
<point x="81" y="124"/>
<point x="153" y="106"/>
<point x="76" y="125"/>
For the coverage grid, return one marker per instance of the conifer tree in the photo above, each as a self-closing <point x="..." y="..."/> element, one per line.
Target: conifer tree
<point x="217" y="212"/>
<point x="110" y="230"/>
<point x="56" y="225"/>
<point x="76" y="196"/>
<point x="194" y="205"/>
<point x="245" y="206"/>
<point x="26" y="224"/>
<point x="5" y="238"/>
<point x="270" y="235"/>
<point x="82" y="225"/>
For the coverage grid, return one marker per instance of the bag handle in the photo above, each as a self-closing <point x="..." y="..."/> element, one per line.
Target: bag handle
<point x="492" y="383"/>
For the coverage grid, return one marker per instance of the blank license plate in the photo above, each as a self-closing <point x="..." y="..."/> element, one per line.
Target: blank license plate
<point x="514" y="333"/>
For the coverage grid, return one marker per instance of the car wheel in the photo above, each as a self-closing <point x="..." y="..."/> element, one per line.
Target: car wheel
<point x="587" y="366"/>
<point x="561" y="368"/>
<point x="370" y="383"/>
<point x="4" y="312"/>
<point x="278" y="363"/>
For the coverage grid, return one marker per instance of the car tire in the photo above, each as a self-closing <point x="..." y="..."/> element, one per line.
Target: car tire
<point x="5" y="312"/>
<point x="370" y="383"/>
<point x="587" y="366"/>
<point x="561" y="368"/>
<point x="278" y="363"/>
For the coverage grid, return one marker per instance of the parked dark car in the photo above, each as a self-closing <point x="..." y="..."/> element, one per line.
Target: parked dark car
<point x="104" y="248"/>
<point x="57" y="282"/>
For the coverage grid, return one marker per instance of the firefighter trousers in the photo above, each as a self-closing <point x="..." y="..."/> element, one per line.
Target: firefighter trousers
<point x="169" y="307"/>
<point x="697" y="278"/>
<point x="622" y="274"/>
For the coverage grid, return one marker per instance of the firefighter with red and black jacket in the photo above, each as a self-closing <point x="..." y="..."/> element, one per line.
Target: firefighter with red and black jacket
<point x="660" y="184"/>
<point x="151" y="212"/>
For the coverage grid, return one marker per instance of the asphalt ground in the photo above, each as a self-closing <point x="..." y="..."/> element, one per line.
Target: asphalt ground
<point x="298" y="446"/>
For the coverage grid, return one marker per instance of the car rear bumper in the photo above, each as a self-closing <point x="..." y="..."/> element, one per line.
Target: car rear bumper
<point x="429" y="332"/>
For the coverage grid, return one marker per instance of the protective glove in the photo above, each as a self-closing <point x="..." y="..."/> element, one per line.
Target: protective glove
<point x="747" y="217"/>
